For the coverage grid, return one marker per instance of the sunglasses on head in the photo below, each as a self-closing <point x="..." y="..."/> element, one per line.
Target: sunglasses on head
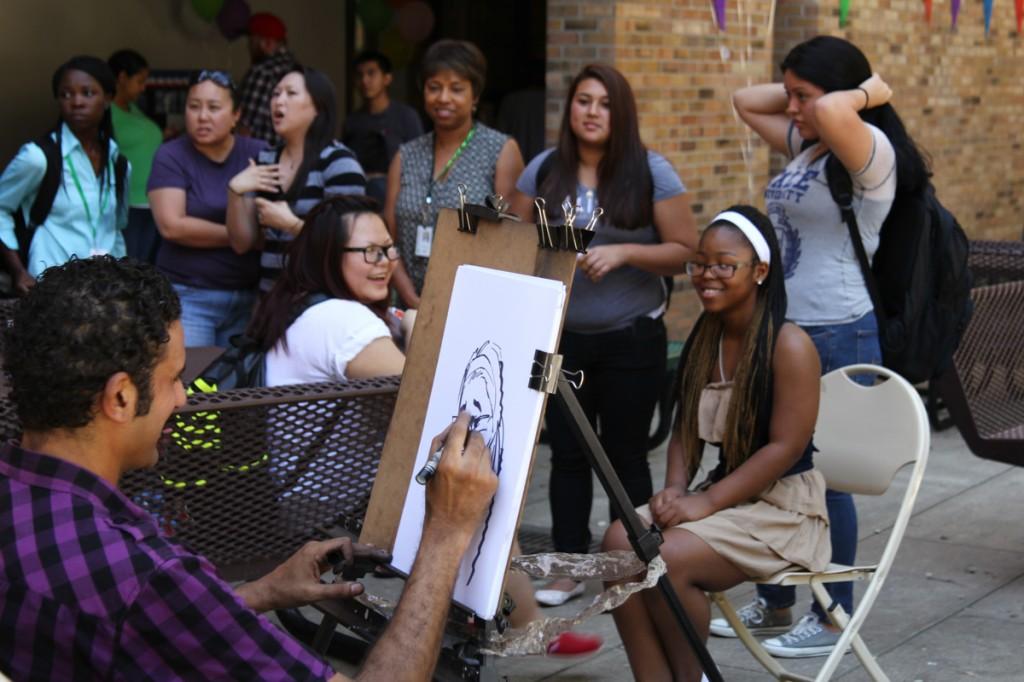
<point x="220" y="78"/>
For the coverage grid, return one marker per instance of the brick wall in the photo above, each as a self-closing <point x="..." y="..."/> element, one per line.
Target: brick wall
<point x="961" y="94"/>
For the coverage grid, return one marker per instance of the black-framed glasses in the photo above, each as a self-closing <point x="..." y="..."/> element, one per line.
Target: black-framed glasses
<point x="374" y="254"/>
<point x="221" y="78"/>
<point x="719" y="270"/>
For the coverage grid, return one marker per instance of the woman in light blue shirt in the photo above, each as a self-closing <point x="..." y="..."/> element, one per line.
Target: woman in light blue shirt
<point x="88" y="211"/>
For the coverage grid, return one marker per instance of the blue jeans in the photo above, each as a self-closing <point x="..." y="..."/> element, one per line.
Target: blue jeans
<point x="212" y="316"/>
<point x="838" y="345"/>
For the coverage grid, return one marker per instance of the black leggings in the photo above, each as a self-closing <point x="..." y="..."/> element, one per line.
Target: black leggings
<point x="624" y="372"/>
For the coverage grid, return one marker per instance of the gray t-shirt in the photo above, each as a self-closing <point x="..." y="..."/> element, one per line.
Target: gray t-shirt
<point x="627" y="292"/>
<point x="824" y="283"/>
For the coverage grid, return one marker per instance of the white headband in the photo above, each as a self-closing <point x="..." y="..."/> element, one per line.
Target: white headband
<point x="748" y="229"/>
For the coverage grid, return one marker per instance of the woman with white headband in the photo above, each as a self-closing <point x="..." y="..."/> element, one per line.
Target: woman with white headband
<point x="749" y="385"/>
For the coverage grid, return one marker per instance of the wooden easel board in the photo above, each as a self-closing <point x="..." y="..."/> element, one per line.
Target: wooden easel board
<point x="510" y="246"/>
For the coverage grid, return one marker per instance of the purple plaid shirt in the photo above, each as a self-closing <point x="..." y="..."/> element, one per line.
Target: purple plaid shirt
<point x="255" y="91"/>
<point x="90" y="589"/>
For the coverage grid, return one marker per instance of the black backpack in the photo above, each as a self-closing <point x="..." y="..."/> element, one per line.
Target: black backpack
<point x="919" y="281"/>
<point x="47" y="192"/>
<point x="243" y="365"/>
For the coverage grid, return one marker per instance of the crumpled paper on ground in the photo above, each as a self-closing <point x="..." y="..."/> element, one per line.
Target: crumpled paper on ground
<point x="617" y="565"/>
<point x="534" y="638"/>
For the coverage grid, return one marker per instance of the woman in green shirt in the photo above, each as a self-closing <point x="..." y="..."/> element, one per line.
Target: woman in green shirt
<point x="138" y="137"/>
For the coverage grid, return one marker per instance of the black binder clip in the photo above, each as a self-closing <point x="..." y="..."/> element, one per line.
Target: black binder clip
<point x="545" y="371"/>
<point x="564" y="237"/>
<point x="495" y="209"/>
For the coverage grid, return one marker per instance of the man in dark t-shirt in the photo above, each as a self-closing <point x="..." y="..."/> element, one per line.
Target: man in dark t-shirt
<point x="375" y="131"/>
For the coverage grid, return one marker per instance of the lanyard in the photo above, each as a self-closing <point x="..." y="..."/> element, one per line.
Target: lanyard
<point x="104" y="197"/>
<point x="448" y="166"/>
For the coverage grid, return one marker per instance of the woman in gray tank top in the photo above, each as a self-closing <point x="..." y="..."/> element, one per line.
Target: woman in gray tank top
<point x="426" y="172"/>
<point x="644" y="231"/>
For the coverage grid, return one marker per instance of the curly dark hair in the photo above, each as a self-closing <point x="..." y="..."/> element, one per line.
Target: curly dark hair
<point x="81" y="323"/>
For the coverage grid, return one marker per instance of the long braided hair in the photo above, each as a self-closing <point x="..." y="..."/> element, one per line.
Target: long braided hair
<point x="750" y="409"/>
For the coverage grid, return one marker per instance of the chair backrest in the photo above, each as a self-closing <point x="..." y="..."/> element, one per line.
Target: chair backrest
<point x="994" y="262"/>
<point x="865" y="434"/>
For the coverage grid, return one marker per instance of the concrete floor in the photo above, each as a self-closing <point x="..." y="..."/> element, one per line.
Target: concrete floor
<point x="952" y="608"/>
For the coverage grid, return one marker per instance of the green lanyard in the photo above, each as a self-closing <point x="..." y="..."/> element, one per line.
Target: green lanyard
<point x="104" y="197"/>
<point x="448" y="166"/>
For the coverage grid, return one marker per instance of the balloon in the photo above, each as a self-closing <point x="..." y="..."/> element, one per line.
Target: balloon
<point x="397" y="48"/>
<point x="233" y="18"/>
<point x="375" y="14"/>
<point x="207" y="9"/>
<point x="415" y="21"/>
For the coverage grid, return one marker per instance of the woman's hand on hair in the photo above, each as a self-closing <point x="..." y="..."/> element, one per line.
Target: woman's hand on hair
<point x="277" y="214"/>
<point x="257" y="178"/>
<point x="673" y="506"/>
<point x="598" y="261"/>
<point x="878" y="90"/>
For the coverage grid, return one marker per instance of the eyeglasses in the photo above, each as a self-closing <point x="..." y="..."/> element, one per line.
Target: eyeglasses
<point x="719" y="270"/>
<point x="221" y="78"/>
<point x="374" y="254"/>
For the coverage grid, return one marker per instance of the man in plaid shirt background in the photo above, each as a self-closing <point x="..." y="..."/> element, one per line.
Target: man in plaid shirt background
<point x="89" y="586"/>
<point x="271" y="60"/>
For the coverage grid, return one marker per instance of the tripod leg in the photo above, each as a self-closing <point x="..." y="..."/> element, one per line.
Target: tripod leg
<point x="645" y="541"/>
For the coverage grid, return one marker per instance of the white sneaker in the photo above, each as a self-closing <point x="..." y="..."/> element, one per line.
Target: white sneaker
<point x="758" y="618"/>
<point x="558" y="597"/>
<point x="808" y="638"/>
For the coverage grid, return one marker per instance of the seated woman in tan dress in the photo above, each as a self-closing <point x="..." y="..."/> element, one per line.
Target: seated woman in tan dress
<point x="749" y="383"/>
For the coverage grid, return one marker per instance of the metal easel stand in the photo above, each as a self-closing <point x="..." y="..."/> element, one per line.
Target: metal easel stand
<point x="645" y="540"/>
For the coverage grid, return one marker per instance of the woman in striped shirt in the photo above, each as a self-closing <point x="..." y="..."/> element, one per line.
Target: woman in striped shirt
<point x="268" y="201"/>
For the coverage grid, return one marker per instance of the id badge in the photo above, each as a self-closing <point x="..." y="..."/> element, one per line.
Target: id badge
<point x="424" y="241"/>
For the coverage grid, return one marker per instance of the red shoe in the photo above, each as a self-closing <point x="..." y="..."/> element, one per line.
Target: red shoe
<point x="575" y="644"/>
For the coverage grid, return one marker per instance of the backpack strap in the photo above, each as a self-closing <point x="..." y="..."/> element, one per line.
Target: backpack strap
<point x="840" y="185"/>
<point x="48" y="187"/>
<point x="120" y="173"/>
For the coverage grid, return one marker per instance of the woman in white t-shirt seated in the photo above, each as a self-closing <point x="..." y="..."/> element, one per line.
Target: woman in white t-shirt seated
<point x="336" y="278"/>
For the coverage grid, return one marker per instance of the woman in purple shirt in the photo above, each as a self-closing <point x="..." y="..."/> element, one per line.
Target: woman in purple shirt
<point x="188" y="194"/>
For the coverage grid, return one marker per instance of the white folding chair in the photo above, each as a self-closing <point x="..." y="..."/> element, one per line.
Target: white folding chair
<point x="864" y="435"/>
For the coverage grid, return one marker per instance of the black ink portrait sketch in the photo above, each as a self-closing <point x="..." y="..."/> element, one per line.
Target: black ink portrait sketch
<point x="481" y="395"/>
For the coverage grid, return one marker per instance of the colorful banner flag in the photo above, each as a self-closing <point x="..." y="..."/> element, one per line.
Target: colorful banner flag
<point x="1019" y="6"/>
<point x="844" y="12"/>
<point x="988" y="15"/>
<point x="954" y="11"/>
<point x="928" y="10"/>
<point x="719" y="6"/>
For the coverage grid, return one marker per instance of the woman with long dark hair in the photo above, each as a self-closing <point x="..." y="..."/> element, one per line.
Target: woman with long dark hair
<point x="425" y="174"/>
<point x="614" y="331"/>
<point x="343" y="256"/>
<point x="829" y="104"/>
<point x="88" y="211"/>
<point x="268" y="202"/>
<point x="749" y="384"/>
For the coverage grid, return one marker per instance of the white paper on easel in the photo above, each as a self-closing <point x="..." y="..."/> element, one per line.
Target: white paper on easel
<point x="496" y="322"/>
